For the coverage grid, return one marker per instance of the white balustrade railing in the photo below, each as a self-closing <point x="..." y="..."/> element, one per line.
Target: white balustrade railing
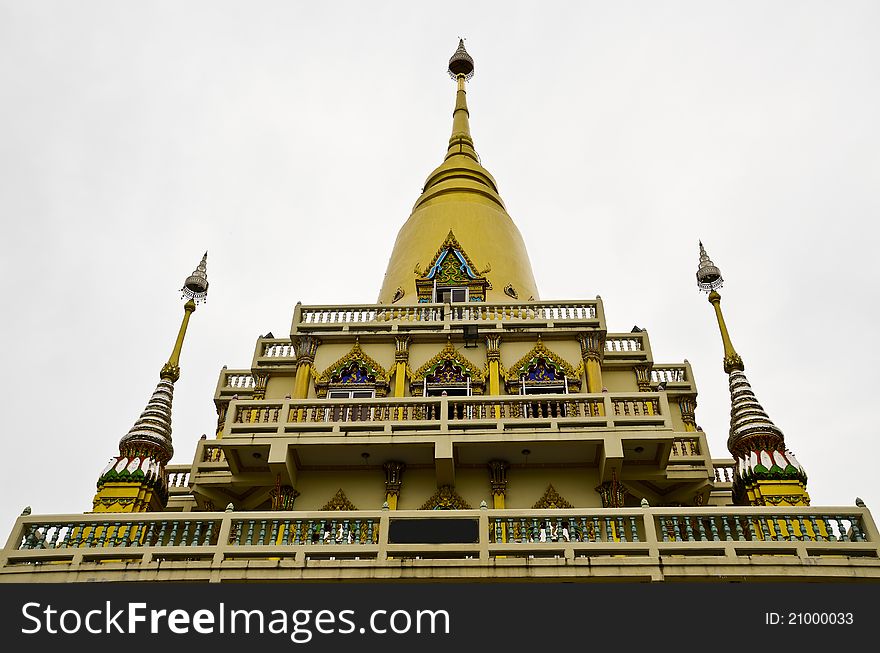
<point x="669" y="374"/>
<point x="458" y="312"/>
<point x="279" y="350"/>
<point x="242" y="381"/>
<point x="618" y="343"/>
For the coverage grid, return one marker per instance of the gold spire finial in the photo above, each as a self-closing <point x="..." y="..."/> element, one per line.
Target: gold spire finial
<point x="709" y="280"/>
<point x="195" y="288"/>
<point x="461" y="63"/>
<point x="461" y="69"/>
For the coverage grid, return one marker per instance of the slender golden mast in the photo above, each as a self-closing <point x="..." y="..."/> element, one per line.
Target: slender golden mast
<point x="767" y="473"/>
<point x="136" y="480"/>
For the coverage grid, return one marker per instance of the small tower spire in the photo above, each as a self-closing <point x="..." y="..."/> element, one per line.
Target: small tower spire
<point x="766" y="473"/>
<point x="135" y="480"/>
<point x="461" y="69"/>
<point x="709" y="280"/>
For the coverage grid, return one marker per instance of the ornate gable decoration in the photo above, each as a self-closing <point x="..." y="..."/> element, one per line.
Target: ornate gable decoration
<point x="540" y="366"/>
<point x="355" y="369"/>
<point x="451" y="266"/>
<point x="448" y="368"/>
<point x="445" y="498"/>
<point x="552" y="499"/>
<point x="339" y="502"/>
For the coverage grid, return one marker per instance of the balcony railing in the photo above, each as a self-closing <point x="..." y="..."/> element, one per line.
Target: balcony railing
<point x="381" y="316"/>
<point x="801" y="539"/>
<point x="598" y="410"/>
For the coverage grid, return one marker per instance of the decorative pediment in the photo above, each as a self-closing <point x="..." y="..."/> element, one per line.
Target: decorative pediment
<point x="445" y="498"/>
<point x="552" y="499"/>
<point x="355" y="369"/>
<point x="448" y="367"/>
<point x="339" y="502"/>
<point x="451" y="266"/>
<point x="451" y="263"/>
<point x="541" y="366"/>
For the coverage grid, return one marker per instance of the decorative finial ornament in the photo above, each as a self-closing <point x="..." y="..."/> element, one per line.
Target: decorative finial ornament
<point x="461" y="63"/>
<point x="708" y="275"/>
<point x="196" y="285"/>
<point x="26" y="511"/>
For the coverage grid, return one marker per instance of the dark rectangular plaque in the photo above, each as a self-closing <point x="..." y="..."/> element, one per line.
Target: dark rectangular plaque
<point x="434" y="531"/>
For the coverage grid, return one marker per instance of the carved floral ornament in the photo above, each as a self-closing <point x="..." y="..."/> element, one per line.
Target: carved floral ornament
<point x="451" y="266"/>
<point x="448" y="367"/>
<point x="355" y="369"/>
<point x="552" y="499"/>
<point x="541" y="366"/>
<point x="339" y="502"/>
<point x="445" y="498"/>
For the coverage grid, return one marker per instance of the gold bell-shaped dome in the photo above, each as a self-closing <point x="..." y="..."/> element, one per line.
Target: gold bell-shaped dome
<point x="459" y="243"/>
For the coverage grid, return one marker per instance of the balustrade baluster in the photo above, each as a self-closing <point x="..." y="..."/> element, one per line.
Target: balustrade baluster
<point x="713" y="527"/>
<point x="609" y="533"/>
<point x="273" y="533"/>
<point x="689" y="529"/>
<point x="535" y="535"/>
<point x="856" y="531"/>
<point x="676" y="529"/>
<point x="197" y="534"/>
<point x="78" y="535"/>
<point x="765" y="530"/>
<point x="737" y="523"/>
<point x="184" y="536"/>
<point x="249" y="538"/>
<point x="701" y="529"/>
<point x="297" y="533"/>
<point x="209" y="534"/>
<point x="790" y="528"/>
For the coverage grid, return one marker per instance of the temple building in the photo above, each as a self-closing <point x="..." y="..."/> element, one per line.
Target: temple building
<point x="462" y="427"/>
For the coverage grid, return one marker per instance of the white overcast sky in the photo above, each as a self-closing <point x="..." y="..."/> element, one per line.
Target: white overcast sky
<point x="290" y="139"/>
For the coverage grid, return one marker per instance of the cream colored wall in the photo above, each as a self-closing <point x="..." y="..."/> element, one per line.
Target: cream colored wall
<point x="473" y="486"/>
<point x="418" y="485"/>
<point x="364" y="488"/>
<point x="525" y="486"/>
<point x="619" y="380"/>
<point x="278" y="386"/>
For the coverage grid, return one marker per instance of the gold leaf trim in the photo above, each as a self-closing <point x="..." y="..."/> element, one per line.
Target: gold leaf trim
<point x="552" y="499"/>
<point x="339" y="502"/>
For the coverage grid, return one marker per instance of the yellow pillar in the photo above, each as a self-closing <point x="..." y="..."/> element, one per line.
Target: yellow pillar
<point x="498" y="484"/>
<point x="401" y="360"/>
<point x="688" y="407"/>
<point x="591" y="351"/>
<point x="305" y="347"/>
<point x="493" y="355"/>
<point x="393" y="481"/>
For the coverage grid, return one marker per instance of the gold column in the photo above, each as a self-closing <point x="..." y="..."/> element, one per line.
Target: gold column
<point x="643" y="377"/>
<point x="688" y="406"/>
<point x="493" y="354"/>
<point x="305" y="347"/>
<point x="591" y="351"/>
<point x="401" y="358"/>
<point x="393" y="482"/>
<point x="498" y="481"/>
<point x="592" y="344"/>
